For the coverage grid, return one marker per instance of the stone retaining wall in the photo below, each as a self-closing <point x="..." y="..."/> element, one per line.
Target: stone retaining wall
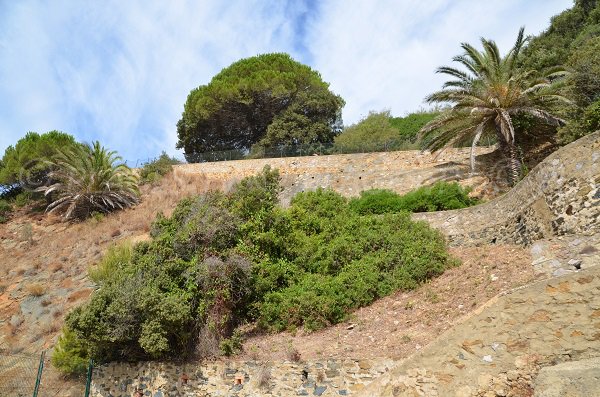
<point x="561" y="195"/>
<point x="348" y="174"/>
<point x="239" y="379"/>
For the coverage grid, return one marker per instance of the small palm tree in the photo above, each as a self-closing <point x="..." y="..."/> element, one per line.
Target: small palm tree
<point x="90" y="179"/>
<point x="487" y="97"/>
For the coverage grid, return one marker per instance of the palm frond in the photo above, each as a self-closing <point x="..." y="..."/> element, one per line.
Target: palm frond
<point x="89" y="178"/>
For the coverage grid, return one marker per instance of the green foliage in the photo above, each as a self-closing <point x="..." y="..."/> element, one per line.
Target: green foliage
<point x="440" y="196"/>
<point x="154" y="170"/>
<point x="89" y="179"/>
<point x="232" y="345"/>
<point x="372" y="132"/>
<point x="410" y="125"/>
<point x="5" y="210"/>
<point x="586" y="122"/>
<point x="265" y="100"/>
<point x="23" y="198"/>
<point x="381" y="131"/>
<point x="573" y="39"/>
<point x="221" y="259"/>
<point x="256" y="194"/>
<point x="117" y="256"/>
<point x="567" y="31"/>
<point x="487" y="95"/>
<point x="584" y="80"/>
<point x="70" y="355"/>
<point x="26" y="160"/>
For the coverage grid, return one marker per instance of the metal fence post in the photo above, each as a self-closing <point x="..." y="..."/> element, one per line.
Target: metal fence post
<point x="88" y="380"/>
<point x="39" y="374"/>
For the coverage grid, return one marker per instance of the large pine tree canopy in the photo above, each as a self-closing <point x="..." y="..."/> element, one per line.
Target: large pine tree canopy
<point x="265" y="100"/>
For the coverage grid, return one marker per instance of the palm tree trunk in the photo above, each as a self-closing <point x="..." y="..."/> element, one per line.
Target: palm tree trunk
<point x="514" y="164"/>
<point x="510" y="152"/>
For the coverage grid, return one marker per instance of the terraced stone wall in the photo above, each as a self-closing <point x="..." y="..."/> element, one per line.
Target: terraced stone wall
<point x="560" y="196"/>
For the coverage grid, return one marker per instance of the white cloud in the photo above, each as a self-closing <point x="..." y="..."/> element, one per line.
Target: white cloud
<point x="383" y="54"/>
<point x="120" y="71"/>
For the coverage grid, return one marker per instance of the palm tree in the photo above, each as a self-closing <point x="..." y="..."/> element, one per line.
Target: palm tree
<point x="89" y="179"/>
<point x="487" y="96"/>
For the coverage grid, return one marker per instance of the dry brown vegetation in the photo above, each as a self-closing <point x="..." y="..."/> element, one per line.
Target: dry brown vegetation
<point x="44" y="256"/>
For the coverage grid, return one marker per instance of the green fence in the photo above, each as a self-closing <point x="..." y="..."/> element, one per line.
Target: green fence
<point x="26" y="375"/>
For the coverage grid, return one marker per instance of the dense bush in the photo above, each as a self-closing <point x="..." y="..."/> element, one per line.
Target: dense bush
<point x="381" y="131"/>
<point x="70" y="355"/>
<point x="5" y="210"/>
<point x="154" y="170"/>
<point x="440" y="196"/>
<point x="221" y="259"/>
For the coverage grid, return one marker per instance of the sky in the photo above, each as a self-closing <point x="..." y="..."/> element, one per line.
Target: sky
<point x="120" y="71"/>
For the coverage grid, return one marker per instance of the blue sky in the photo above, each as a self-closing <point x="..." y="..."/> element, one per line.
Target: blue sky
<point x="120" y="71"/>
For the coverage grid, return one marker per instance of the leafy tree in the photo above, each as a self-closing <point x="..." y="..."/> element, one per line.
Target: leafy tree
<point x="90" y="179"/>
<point x="372" y="132"/>
<point x="573" y="40"/>
<point x="567" y="31"/>
<point x="381" y="131"/>
<point x="488" y="96"/>
<point x="26" y="161"/>
<point x="268" y="100"/>
<point x="584" y="87"/>
<point x="154" y="170"/>
<point x="410" y="125"/>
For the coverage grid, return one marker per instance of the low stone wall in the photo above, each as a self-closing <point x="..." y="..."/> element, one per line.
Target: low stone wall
<point x="348" y="174"/>
<point x="561" y="195"/>
<point x="240" y="379"/>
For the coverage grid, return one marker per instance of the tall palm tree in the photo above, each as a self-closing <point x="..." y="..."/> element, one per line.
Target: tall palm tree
<point x="487" y="96"/>
<point x="90" y="179"/>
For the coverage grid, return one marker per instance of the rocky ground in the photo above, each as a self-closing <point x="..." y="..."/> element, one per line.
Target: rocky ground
<point x="542" y="339"/>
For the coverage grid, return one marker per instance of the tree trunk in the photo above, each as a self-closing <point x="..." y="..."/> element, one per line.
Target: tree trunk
<point x="514" y="164"/>
<point x="510" y="152"/>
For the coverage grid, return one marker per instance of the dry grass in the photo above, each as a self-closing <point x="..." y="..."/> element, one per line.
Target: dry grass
<point x="292" y="354"/>
<point x="35" y="289"/>
<point x="263" y="377"/>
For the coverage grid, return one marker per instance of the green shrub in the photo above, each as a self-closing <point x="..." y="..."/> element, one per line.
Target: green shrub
<point x="377" y="201"/>
<point x="152" y="171"/>
<point x="256" y="194"/>
<point x="440" y="196"/>
<point x="23" y="198"/>
<point x="5" y="210"/>
<point x="70" y="355"/>
<point x="381" y="131"/>
<point x="232" y="345"/>
<point x="115" y="257"/>
<point x="222" y="259"/>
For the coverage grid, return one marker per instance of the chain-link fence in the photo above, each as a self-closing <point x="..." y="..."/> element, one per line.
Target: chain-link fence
<point x="18" y="374"/>
<point x="26" y="375"/>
